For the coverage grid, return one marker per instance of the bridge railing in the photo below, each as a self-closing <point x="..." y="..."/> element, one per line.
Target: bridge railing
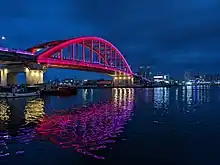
<point x="16" y="51"/>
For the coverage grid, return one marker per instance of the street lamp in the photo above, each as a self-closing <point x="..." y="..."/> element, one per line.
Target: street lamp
<point x="3" y="38"/>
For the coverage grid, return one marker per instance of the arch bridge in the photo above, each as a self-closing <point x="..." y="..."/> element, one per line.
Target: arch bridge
<point x="84" y="53"/>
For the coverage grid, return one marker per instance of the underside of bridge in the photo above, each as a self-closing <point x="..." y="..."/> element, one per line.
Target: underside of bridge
<point x="9" y="74"/>
<point x="2" y="62"/>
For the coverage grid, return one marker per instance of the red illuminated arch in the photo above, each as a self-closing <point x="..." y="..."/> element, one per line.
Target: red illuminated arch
<point x="105" y="51"/>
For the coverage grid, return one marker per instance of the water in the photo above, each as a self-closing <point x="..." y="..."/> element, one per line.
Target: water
<point x="113" y="126"/>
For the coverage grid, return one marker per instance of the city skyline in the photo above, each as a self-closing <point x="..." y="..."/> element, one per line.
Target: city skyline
<point x="167" y="36"/>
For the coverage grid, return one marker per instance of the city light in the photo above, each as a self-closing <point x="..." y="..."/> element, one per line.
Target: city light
<point x="158" y="77"/>
<point x="5" y="71"/>
<point x="188" y="83"/>
<point x="26" y="70"/>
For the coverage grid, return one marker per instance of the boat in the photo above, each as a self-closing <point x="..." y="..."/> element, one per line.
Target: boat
<point x="60" y="91"/>
<point x="17" y="95"/>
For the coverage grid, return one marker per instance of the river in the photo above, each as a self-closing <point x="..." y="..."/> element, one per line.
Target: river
<point x="113" y="126"/>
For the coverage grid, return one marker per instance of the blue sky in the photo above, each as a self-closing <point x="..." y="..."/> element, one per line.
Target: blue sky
<point x="169" y="35"/>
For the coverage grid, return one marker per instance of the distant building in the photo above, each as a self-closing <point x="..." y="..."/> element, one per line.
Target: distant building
<point x="158" y="78"/>
<point x="188" y="76"/>
<point x="162" y="78"/>
<point x="211" y="77"/>
<point x="104" y="83"/>
<point x="148" y="72"/>
<point x="166" y="77"/>
<point x="142" y="71"/>
<point x="145" y="71"/>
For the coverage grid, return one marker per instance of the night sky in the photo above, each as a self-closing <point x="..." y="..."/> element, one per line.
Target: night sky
<point x="170" y="35"/>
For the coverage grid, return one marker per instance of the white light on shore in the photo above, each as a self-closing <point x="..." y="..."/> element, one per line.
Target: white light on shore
<point x="188" y="83"/>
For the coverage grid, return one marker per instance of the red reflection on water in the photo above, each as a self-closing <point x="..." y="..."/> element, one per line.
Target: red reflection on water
<point x="88" y="129"/>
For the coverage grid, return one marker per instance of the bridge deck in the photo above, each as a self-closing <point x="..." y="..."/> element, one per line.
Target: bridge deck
<point x="11" y="57"/>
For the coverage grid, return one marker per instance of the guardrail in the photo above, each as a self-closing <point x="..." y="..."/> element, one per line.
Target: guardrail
<point x="16" y="51"/>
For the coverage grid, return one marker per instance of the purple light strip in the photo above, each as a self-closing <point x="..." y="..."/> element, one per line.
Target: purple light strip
<point x="16" y="51"/>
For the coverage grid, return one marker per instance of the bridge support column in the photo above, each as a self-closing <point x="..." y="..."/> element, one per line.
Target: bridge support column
<point x="4" y="73"/>
<point x="122" y="80"/>
<point x="34" y="76"/>
<point x="115" y="81"/>
<point x="12" y="78"/>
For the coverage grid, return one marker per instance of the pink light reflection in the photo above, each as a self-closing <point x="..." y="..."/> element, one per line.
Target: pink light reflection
<point x="89" y="129"/>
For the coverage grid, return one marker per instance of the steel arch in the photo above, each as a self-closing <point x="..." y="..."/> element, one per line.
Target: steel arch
<point x="105" y="50"/>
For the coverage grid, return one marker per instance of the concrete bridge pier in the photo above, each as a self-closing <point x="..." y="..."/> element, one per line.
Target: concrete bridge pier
<point x="122" y="80"/>
<point x="4" y="74"/>
<point x="34" y="76"/>
<point x="12" y="78"/>
<point x="9" y="75"/>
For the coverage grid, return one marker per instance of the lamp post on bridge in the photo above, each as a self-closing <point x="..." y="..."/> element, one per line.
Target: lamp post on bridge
<point x="2" y="39"/>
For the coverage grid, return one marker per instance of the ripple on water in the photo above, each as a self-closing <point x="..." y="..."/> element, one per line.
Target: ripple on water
<point x="24" y="136"/>
<point x="17" y="135"/>
<point x="86" y="129"/>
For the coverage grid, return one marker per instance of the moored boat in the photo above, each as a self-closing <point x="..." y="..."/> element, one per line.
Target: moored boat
<point x="60" y="91"/>
<point x="17" y="95"/>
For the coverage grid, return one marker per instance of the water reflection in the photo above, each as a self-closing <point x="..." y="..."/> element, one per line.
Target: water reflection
<point x="195" y="94"/>
<point x="149" y="92"/>
<point x="177" y="94"/>
<point x="18" y="129"/>
<point x="161" y="98"/>
<point x="4" y="112"/>
<point x="89" y="129"/>
<point x="34" y="110"/>
<point x="87" y="95"/>
<point x="189" y="96"/>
